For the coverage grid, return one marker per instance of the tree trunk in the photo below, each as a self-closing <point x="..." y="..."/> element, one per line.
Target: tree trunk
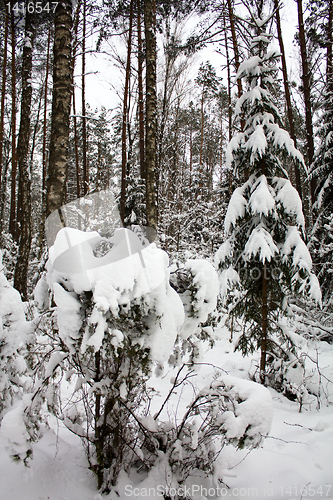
<point x="12" y="217"/>
<point x="287" y="93"/>
<point x="201" y="140"/>
<point x="45" y="126"/>
<point x="61" y="105"/>
<point x="3" y="91"/>
<point x="125" y="115"/>
<point x="151" y="109"/>
<point x="24" y="192"/>
<point x="307" y="94"/>
<point x="76" y="142"/>
<point x="264" y="322"/>
<point x="329" y="49"/>
<point x="84" y="119"/>
<point x="228" y="80"/>
<point x="235" y="46"/>
<point x="140" y="88"/>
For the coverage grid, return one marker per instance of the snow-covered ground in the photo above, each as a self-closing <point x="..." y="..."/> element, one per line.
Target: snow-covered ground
<point x="294" y="462"/>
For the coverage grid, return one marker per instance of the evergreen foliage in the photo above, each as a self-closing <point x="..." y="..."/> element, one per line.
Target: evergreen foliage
<point x="264" y="259"/>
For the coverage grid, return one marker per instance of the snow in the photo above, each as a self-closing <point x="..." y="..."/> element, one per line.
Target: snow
<point x="128" y="273"/>
<point x="301" y="255"/>
<point x="253" y="414"/>
<point x="296" y="454"/>
<point x="261" y="200"/>
<point x="13" y="433"/>
<point x="236" y="209"/>
<point x="260" y="241"/>
<point x="227" y="279"/>
<point x="288" y="196"/>
<point x="248" y="66"/>
<point x="205" y="297"/>
<point x="257" y="143"/>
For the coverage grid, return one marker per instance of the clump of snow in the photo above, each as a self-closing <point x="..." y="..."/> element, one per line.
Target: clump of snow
<point x="201" y="301"/>
<point x="257" y="144"/>
<point x="128" y="274"/>
<point x="251" y="413"/>
<point x="260" y="242"/>
<point x="236" y="209"/>
<point x="288" y="196"/>
<point x="13" y="432"/>
<point x="261" y="200"/>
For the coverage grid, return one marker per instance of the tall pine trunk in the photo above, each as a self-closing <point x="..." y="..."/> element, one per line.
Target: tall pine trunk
<point x="307" y="94"/>
<point x="235" y="45"/>
<point x="151" y="110"/>
<point x="125" y="118"/>
<point x="12" y="216"/>
<point x="3" y="91"/>
<point x="329" y="48"/>
<point x="61" y="105"/>
<point x="84" y="119"/>
<point x="140" y="89"/>
<point x="76" y="141"/>
<point x="24" y="191"/>
<point x="264" y="324"/>
<point x="287" y="94"/>
<point x="45" y="125"/>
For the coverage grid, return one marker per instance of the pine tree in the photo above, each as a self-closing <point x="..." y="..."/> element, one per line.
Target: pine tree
<point x="264" y="259"/>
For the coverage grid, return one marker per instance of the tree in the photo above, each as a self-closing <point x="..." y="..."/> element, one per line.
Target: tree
<point x="3" y="91"/>
<point x="287" y="93"/>
<point x="306" y="93"/>
<point x="208" y="83"/>
<point x="151" y="109"/>
<point x="61" y="104"/>
<point x="24" y="186"/>
<point x="264" y="259"/>
<point x="12" y="217"/>
<point x="322" y="172"/>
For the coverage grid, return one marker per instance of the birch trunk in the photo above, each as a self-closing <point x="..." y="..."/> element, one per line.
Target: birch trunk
<point x="61" y="104"/>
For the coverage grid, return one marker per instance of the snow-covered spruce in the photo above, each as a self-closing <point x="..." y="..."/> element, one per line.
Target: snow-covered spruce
<point x="13" y="335"/>
<point x="264" y="259"/>
<point x="322" y="171"/>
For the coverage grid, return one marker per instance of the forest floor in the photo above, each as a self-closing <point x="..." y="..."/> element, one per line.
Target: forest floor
<point x="294" y="462"/>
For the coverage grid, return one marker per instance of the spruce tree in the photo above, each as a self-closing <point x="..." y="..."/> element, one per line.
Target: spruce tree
<point x="264" y="259"/>
<point x="322" y="239"/>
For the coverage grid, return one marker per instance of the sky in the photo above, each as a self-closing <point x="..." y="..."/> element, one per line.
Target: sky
<point x="104" y="80"/>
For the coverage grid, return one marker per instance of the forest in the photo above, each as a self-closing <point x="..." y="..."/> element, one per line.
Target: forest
<point x="166" y="291"/>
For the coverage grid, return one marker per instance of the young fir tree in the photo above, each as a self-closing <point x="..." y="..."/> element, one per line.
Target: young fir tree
<point x="264" y="259"/>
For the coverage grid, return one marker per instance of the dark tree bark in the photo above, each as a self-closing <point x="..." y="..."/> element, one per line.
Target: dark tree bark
<point x="24" y="191"/>
<point x="287" y="93"/>
<point x="235" y="45"/>
<point x="125" y="118"/>
<point x="12" y="217"/>
<point x="45" y="125"/>
<point x="151" y="110"/>
<point x="3" y="91"/>
<point x="140" y="89"/>
<point x="228" y="80"/>
<point x="76" y="141"/>
<point x="307" y="94"/>
<point x="264" y="318"/>
<point x="329" y="49"/>
<point x="84" y="119"/>
<point x="61" y="104"/>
